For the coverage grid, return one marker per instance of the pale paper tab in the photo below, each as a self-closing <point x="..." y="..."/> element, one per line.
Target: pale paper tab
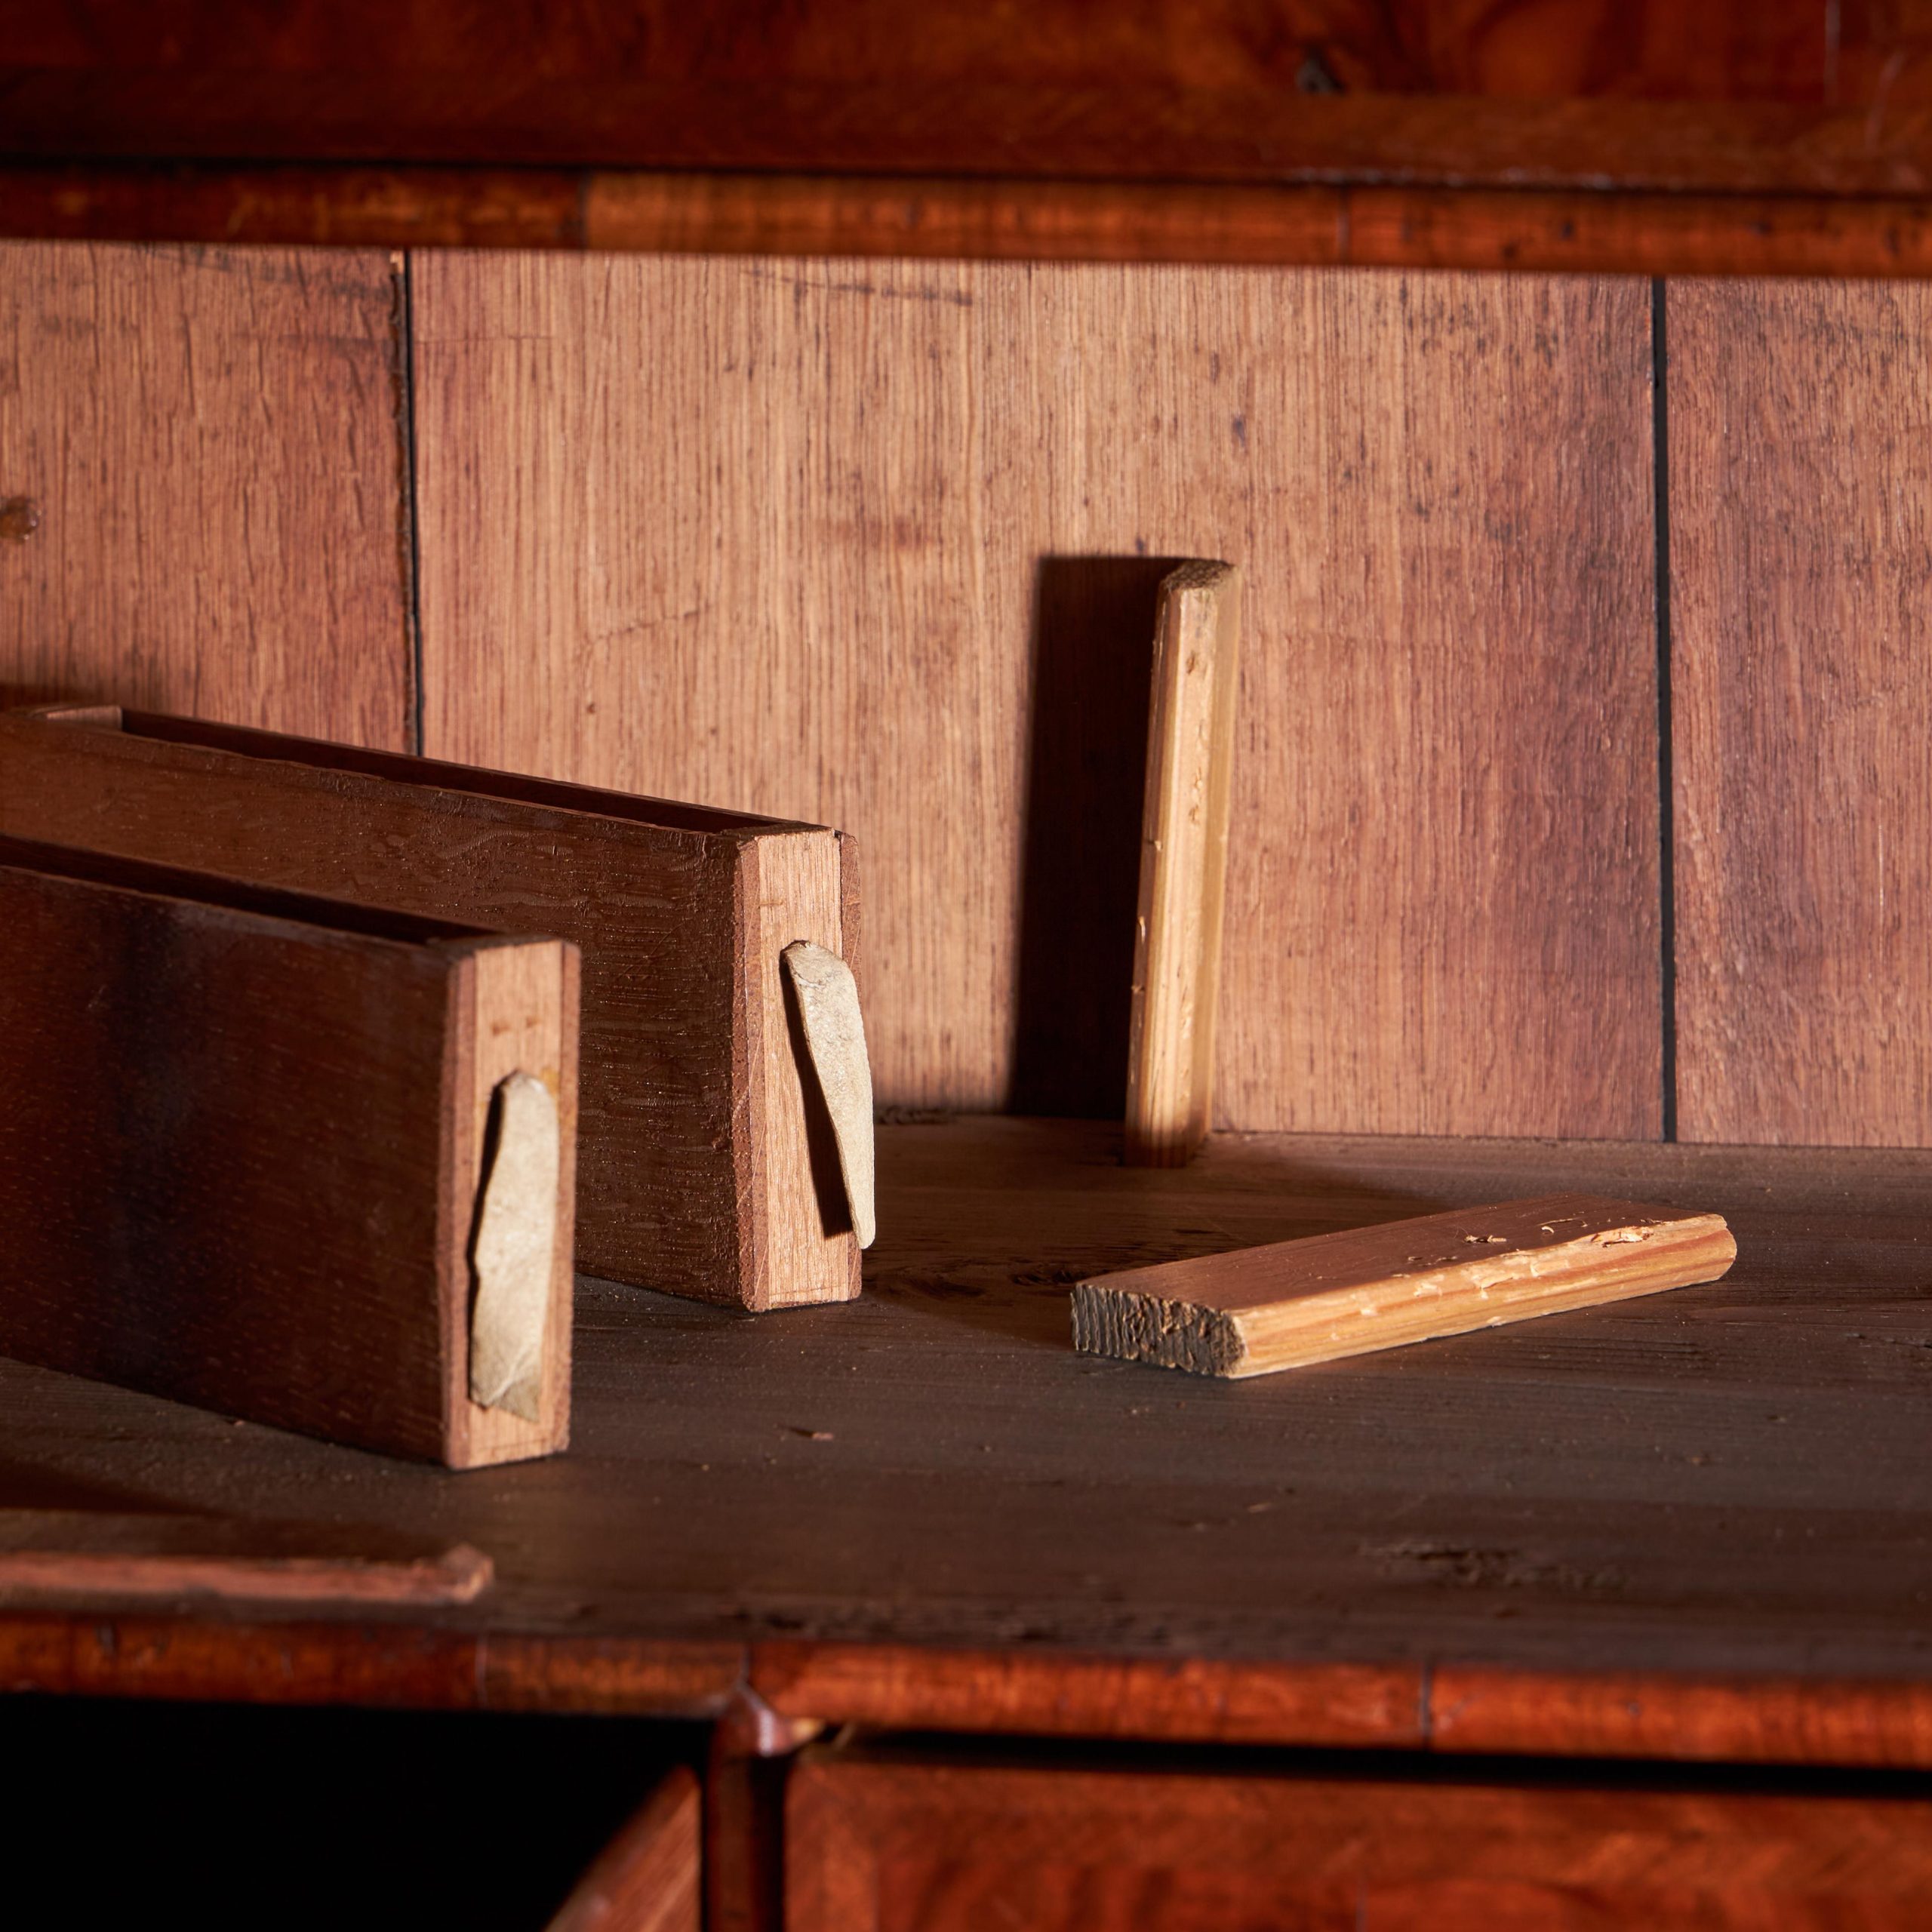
<point x="516" y="1242"/>
<point x="836" y="1037"/>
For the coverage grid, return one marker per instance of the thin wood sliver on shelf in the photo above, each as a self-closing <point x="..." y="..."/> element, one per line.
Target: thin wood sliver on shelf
<point x="1292" y="1303"/>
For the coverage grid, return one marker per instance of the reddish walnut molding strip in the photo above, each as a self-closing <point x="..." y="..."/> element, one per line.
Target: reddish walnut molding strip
<point x="1457" y="1708"/>
<point x="394" y="1665"/>
<point x="1454" y="1708"/>
<point x="1744" y="1719"/>
<point x="896" y="1686"/>
<point x="1318" y="226"/>
<point x="1289" y="1303"/>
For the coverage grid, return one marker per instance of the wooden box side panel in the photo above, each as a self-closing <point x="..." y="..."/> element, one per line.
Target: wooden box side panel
<point x="930" y="1847"/>
<point x="202" y="451"/>
<point x="874" y="544"/>
<point x="221" y="1160"/>
<point x="654" y="913"/>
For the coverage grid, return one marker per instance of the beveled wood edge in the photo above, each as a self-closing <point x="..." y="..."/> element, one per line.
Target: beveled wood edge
<point x="1453" y="1709"/>
<point x="1446" y="1708"/>
<point x="1568" y="230"/>
<point x="398" y="1664"/>
<point x="1742" y="1720"/>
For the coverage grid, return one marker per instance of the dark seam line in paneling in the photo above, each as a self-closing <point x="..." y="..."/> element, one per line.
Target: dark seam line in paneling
<point x="1667" y="825"/>
<point x="412" y="546"/>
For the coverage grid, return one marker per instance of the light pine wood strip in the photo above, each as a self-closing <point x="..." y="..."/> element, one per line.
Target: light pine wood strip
<point x="209" y="441"/>
<point x="1183" y="864"/>
<point x="1801" y="564"/>
<point x="1291" y="1303"/>
<point x="874" y="544"/>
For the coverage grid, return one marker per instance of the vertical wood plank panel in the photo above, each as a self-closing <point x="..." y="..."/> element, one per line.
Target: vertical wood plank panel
<point x="874" y="543"/>
<point x="1444" y="870"/>
<point x="209" y="439"/>
<point x="1801" y="562"/>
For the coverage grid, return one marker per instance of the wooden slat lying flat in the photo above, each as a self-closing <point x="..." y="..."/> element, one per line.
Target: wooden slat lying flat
<point x="240" y="1136"/>
<point x="55" y="1554"/>
<point x="695" y="1173"/>
<point x="1183" y="864"/>
<point x="1349" y="1293"/>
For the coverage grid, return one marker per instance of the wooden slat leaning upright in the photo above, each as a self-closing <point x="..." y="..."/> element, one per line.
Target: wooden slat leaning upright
<point x="1183" y="864"/>
<point x="700" y="1171"/>
<point x="242" y="1139"/>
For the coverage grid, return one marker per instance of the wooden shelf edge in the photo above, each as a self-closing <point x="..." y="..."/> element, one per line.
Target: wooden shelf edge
<point x="1458" y="1709"/>
<point x="399" y="1665"/>
<point x="1547" y="230"/>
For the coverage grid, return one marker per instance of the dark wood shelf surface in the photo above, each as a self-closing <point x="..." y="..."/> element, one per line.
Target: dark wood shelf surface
<point x="1722" y="1486"/>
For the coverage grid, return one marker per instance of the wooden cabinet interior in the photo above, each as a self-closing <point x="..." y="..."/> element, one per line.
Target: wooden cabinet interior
<point x="1578" y="708"/>
<point x="875" y="545"/>
<point x="243" y="1143"/>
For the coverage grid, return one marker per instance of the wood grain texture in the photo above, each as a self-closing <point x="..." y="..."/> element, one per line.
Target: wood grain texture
<point x="233" y="1147"/>
<point x="1199" y="1700"/>
<point x="646" y="1879"/>
<point x="1783" y="95"/>
<point x="903" y="1843"/>
<point x="1579" y="231"/>
<point x="692" y="1177"/>
<point x="897" y="1505"/>
<point x="895" y="574"/>
<point x="1183" y="866"/>
<point x="1801" y="479"/>
<point x="1601" y="1714"/>
<point x="1291" y="1304"/>
<point x="210" y="437"/>
<point x="57" y="1555"/>
<point x="1779" y="50"/>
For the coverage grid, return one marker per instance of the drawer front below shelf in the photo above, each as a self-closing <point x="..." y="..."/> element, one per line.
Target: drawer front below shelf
<point x="894" y="1846"/>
